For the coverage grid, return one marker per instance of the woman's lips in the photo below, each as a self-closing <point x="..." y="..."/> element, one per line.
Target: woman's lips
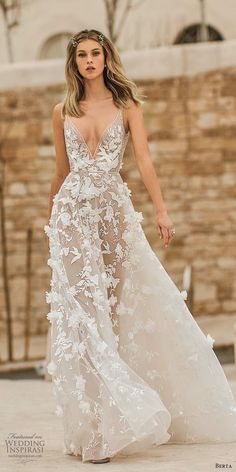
<point x="90" y="68"/>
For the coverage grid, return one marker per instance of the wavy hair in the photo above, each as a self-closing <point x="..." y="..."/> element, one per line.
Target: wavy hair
<point x="115" y="80"/>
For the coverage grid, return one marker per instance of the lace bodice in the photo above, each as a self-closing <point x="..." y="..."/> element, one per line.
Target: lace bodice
<point x="110" y="149"/>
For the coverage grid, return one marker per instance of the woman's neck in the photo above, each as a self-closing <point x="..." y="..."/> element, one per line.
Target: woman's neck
<point x="96" y="92"/>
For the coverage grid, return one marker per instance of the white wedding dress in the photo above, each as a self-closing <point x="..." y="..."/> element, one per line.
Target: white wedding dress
<point x="130" y="366"/>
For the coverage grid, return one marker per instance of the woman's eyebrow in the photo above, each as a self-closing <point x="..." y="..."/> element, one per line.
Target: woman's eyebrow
<point x="94" y="49"/>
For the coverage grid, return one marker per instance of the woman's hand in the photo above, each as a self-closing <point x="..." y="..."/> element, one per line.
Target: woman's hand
<point x="165" y="227"/>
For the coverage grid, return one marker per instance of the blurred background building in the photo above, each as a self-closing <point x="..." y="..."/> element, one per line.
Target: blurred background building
<point x="39" y="29"/>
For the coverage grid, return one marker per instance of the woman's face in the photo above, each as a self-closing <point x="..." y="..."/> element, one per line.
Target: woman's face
<point x="90" y="53"/>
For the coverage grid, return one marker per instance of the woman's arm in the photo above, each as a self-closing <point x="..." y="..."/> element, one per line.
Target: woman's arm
<point x="62" y="162"/>
<point x="146" y="169"/>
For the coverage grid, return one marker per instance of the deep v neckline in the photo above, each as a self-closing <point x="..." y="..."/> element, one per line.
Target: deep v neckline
<point x="93" y="155"/>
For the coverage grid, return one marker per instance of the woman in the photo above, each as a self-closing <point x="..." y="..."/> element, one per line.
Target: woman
<point x="130" y="366"/>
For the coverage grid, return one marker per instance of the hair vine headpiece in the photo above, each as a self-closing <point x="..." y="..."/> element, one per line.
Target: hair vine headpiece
<point x="74" y="42"/>
<point x="100" y="39"/>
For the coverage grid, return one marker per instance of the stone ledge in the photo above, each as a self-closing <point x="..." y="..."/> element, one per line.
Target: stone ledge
<point x="144" y="64"/>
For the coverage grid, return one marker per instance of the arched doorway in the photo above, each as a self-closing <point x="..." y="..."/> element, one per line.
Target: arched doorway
<point x="191" y="34"/>
<point x="55" y="46"/>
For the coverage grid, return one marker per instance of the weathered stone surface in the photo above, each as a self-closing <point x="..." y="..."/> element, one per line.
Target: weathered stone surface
<point x="17" y="188"/>
<point x="205" y="292"/>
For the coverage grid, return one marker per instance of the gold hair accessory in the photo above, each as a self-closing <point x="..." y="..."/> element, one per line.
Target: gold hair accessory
<point x="100" y="39"/>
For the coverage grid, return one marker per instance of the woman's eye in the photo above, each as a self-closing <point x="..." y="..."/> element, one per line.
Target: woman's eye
<point x="95" y="54"/>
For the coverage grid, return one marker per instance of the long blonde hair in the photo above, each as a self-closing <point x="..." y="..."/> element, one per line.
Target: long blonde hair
<point x="114" y="77"/>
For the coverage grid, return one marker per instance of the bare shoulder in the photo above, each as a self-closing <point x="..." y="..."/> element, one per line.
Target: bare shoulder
<point x="57" y="108"/>
<point x="133" y="108"/>
<point x="135" y="124"/>
<point x="56" y="113"/>
<point x="133" y="111"/>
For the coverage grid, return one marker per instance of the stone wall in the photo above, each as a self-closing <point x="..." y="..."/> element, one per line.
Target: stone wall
<point x="191" y="128"/>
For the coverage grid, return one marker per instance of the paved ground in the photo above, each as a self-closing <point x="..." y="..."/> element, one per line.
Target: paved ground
<point x="27" y="408"/>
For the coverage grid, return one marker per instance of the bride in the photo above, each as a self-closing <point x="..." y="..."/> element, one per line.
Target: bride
<point x="130" y="366"/>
